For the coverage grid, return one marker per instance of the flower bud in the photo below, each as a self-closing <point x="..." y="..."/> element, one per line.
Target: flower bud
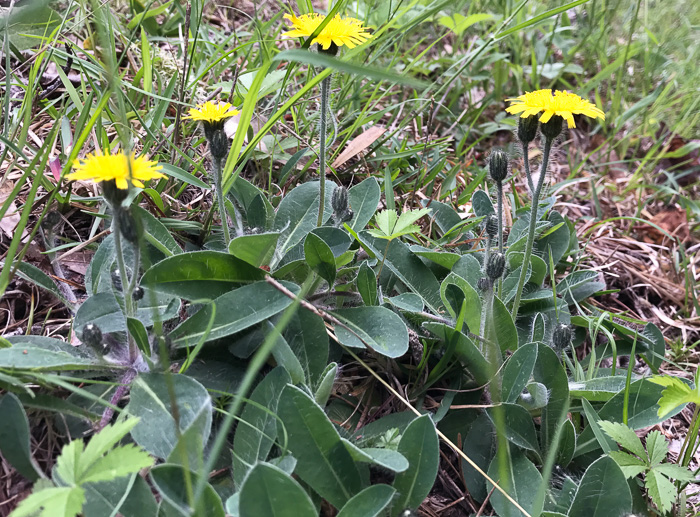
<point x="498" y="165"/>
<point x="496" y="265"/>
<point x="484" y="284"/>
<point x="50" y="220"/>
<point x="138" y="293"/>
<point x="561" y="337"/>
<point x="330" y="51"/>
<point x="92" y="336"/>
<point x="339" y="200"/>
<point x="117" y="280"/>
<point x="527" y="129"/>
<point x="129" y="226"/>
<point x="491" y="226"/>
<point x="218" y="144"/>
<point x="552" y="127"/>
<point x="112" y="194"/>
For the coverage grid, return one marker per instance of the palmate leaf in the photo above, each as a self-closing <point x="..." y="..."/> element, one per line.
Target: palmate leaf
<point x="121" y="461"/>
<point x="661" y="490"/>
<point x="99" y="460"/>
<point x="631" y="467"/>
<point x="390" y="225"/>
<point x="676" y="394"/>
<point x="52" y="502"/>
<point x="625" y="436"/>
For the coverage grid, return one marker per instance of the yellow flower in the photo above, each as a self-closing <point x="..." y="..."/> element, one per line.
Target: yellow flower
<point x="212" y="112"/>
<point x="115" y="167"/>
<point x="341" y="31"/>
<point x="563" y="104"/>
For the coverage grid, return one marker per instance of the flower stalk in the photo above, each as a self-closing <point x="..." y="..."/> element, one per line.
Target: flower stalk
<point x="323" y="130"/>
<point x="531" y="229"/>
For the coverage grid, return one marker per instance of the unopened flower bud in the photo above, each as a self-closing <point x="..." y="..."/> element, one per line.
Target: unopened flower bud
<point x="330" y="51"/>
<point x="527" y="129"/>
<point x="496" y="265"/>
<point x="561" y="337"/>
<point x="484" y="284"/>
<point x="50" y="220"/>
<point x="112" y="194"/>
<point x="339" y="200"/>
<point x="117" y="280"/>
<point x="491" y="226"/>
<point x="552" y="127"/>
<point x="92" y="336"/>
<point x="218" y="144"/>
<point x="498" y="165"/>
<point x="138" y="293"/>
<point x="129" y="226"/>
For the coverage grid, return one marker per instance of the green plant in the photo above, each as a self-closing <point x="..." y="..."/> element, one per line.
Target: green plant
<point x="649" y="461"/>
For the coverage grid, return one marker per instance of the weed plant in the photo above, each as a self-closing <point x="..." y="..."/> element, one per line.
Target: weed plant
<point x="317" y="234"/>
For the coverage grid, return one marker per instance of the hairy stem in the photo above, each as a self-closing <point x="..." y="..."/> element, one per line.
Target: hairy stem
<point x="325" y="94"/>
<point x="127" y="285"/>
<point x="531" y="231"/>
<point x="221" y="202"/>
<point x="526" y="162"/>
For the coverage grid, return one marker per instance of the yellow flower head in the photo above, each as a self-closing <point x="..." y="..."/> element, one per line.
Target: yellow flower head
<point x="563" y="104"/>
<point x="341" y="31"/>
<point x="212" y="112"/>
<point x="96" y="167"/>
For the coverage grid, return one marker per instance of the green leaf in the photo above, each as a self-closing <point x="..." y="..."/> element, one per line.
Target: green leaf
<point x="407" y="267"/>
<point x="103" y="310"/>
<point x="469" y="296"/>
<point x="390" y="225"/>
<point x="297" y="213"/>
<point x="150" y="400"/>
<point x="661" y="490"/>
<point x="325" y="385"/>
<point x="631" y="466"/>
<point x="376" y="327"/>
<point x="257" y="429"/>
<point x="155" y="233"/>
<point x="521" y="482"/>
<point x="14" y="437"/>
<point x="322" y="460"/>
<point x="38" y="359"/>
<point x="52" y="502"/>
<point x="119" y="462"/>
<point x="129" y="496"/>
<point x="593" y="418"/>
<point x="676" y="393"/>
<point x="519" y="428"/>
<point x="169" y="480"/>
<point x="656" y="447"/>
<point x="387" y="458"/>
<point x="33" y="274"/>
<point x="419" y="445"/>
<point x="200" y="275"/>
<point x="320" y="258"/>
<point x="579" y="285"/>
<point x="102" y="442"/>
<point x="364" y="199"/>
<point x="674" y="471"/>
<point x="256" y="249"/>
<point x="603" y="491"/>
<point x="368" y="503"/>
<point x="506" y="333"/>
<point x="625" y="436"/>
<point x="235" y="311"/>
<point x="362" y="70"/>
<point x="367" y="284"/>
<point x="518" y="371"/>
<point x="307" y="337"/>
<point x="598" y="389"/>
<point x="458" y="23"/>
<point x="481" y="204"/>
<point x="270" y="491"/>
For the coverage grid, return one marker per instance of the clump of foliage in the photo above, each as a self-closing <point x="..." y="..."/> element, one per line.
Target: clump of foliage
<point x="216" y="344"/>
